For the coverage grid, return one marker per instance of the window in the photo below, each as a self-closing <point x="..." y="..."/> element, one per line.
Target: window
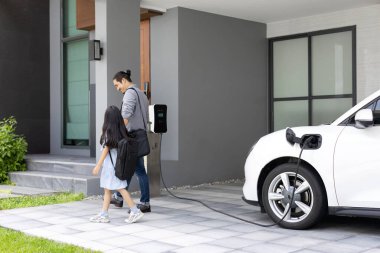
<point x="75" y="79"/>
<point x="312" y="77"/>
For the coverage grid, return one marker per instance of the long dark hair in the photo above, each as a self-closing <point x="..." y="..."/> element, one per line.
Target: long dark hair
<point x="113" y="128"/>
<point x="123" y="74"/>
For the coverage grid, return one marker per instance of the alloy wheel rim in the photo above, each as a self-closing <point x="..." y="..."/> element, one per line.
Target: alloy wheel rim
<point x="279" y="197"/>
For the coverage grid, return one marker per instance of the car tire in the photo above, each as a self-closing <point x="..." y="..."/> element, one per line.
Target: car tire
<point x="309" y="201"/>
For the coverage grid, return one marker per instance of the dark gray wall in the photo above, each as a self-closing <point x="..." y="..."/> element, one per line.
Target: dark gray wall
<point x="24" y="69"/>
<point x="222" y="95"/>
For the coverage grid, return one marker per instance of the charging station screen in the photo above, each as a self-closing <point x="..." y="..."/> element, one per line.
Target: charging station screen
<point x="160" y="115"/>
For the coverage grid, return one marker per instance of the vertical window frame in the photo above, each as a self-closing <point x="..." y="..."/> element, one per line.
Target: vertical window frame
<point x="63" y="80"/>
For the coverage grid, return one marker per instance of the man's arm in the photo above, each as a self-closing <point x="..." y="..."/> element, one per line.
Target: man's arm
<point x="125" y="122"/>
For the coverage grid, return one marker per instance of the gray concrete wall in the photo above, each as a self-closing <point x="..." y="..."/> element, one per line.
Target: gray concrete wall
<point x="24" y="69"/>
<point x="117" y="25"/>
<point x="221" y="93"/>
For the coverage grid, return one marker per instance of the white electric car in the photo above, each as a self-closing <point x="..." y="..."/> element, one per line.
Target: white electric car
<point x="339" y="175"/>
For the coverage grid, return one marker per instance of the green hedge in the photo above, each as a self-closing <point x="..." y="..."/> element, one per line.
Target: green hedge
<point x="13" y="148"/>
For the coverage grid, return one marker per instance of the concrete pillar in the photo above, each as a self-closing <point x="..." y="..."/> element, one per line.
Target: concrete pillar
<point x="117" y="26"/>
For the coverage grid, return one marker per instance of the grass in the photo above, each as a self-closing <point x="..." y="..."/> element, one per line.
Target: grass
<point x="13" y="241"/>
<point x="30" y="201"/>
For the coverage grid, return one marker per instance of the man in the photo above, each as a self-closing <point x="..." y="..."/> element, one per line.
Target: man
<point x="135" y="116"/>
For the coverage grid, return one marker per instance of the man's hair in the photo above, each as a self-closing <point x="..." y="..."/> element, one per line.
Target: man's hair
<point x="123" y="74"/>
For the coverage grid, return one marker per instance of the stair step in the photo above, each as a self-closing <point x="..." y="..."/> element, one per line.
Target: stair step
<point x="68" y="182"/>
<point x="20" y="190"/>
<point x="61" y="164"/>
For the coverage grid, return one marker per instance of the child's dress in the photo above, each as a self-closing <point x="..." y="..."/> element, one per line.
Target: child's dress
<point x="108" y="179"/>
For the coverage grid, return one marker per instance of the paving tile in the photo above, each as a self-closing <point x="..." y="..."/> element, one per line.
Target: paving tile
<point x="336" y="247"/>
<point x="25" y="225"/>
<point x="217" y="233"/>
<point x="94" y="245"/>
<point x="89" y="226"/>
<point x="40" y="232"/>
<point x="300" y="241"/>
<point x="186" y="240"/>
<point x="152" y="247"/>
<point x="272" y="248"/>
<point x="188" y="228"/>
<point x="202" y="248"/>
<point x="7" y="219"/>
<point x="213" y="223"/>
<point x="308" y="251"/>
<point x="362" y="241"/>
<point x="163" y="223"/>
<point x="244" y="228"/>
<point x="130" y="228"/>
<point x="124" y="241"/>
<point x="234" y="242"/>
<point x="35" y="214"/>
<point x="96" y="235"/>
<point x="376" y="250"/>
<point x="61" y="229"/>
<point x="263" y="236"/>
<point x="156" y="234"/>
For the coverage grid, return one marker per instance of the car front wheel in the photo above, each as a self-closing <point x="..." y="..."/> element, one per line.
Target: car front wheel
<point x="309" y="201"/>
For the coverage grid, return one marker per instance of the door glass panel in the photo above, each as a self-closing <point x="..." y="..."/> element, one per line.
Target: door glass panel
<point x="332" y="64"/>
<point x="70" y="19"/>
<point x="326" y="111"/>
<point x="290" y="68"/>
<point x="76" y="88"/>
<point x="290" y="114"/>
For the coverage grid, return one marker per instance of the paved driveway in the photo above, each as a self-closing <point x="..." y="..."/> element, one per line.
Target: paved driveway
<point x="181" y="226"/>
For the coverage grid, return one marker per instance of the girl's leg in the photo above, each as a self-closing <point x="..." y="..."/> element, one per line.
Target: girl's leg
<point x="103" y="215"/>
<point x="135" y="214"/>
<point x="127" y="197"/>
<point x="106" y="200"/>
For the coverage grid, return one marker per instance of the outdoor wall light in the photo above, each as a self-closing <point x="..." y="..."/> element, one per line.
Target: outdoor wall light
<point x="95" y="51"/>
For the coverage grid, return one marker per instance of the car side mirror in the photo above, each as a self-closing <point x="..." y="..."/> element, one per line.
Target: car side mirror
<point x="363" y="118"/>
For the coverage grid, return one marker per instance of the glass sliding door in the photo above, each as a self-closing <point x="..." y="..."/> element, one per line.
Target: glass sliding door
<point x="331" y="75"/>
<point x="312" y="77"/>
<point x="290" y="82"/>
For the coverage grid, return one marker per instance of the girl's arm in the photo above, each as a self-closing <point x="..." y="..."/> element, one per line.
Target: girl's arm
<point x="96" y="169"/>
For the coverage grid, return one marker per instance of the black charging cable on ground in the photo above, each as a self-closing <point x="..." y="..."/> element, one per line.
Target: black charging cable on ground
<point x="308" y="140"/>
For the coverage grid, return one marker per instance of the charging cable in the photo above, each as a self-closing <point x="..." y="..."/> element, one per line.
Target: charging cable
<point x="308" y="140"/>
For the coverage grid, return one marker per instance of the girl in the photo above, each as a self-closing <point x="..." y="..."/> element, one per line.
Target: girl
<point x="113" y="130"/>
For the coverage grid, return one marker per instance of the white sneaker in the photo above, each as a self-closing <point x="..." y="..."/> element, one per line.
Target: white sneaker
<point x="133" y="217"/>
<point x="100" y="218"/>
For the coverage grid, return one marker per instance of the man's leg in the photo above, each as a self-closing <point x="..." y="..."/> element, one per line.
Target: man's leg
<point x="143" y="181"/>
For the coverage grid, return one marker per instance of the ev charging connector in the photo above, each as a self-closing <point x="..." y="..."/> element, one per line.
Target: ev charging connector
<point x="307" y="141"/>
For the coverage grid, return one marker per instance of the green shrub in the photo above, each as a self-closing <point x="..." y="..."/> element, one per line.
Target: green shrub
<point x="13" y="148"/>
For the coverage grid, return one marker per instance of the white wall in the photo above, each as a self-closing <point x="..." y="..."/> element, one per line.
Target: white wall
<point x="367" y="21"/>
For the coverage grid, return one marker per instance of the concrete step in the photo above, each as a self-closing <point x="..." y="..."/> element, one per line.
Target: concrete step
<point x="67" y="182"/>
<point x="74" y="165"/>
<point x="7" y="191"/>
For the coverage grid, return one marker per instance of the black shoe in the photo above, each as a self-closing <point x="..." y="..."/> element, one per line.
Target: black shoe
<point x="143" y="208"/>
<point x="116" y="202"/>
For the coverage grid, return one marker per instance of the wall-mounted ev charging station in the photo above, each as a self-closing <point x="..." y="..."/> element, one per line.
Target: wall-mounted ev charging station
<point x="157" y="126"/>
<point x="157" y="118"/>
